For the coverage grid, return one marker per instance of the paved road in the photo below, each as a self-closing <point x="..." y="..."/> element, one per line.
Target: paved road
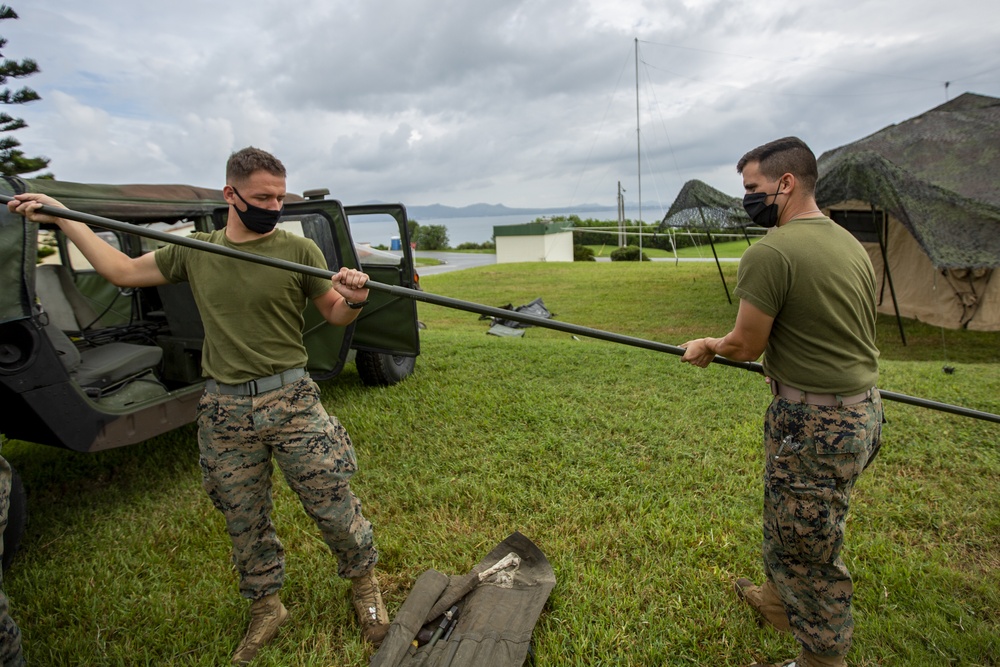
<point x="455" y="261"/>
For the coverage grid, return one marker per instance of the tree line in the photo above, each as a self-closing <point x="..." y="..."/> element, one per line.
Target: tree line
<point x="13" y="160"/>
<point x="435" y="237"/>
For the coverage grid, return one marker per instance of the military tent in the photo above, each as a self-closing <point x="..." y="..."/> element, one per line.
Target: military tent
<point x="700" y="206"/>
<point x="923" y="198"/>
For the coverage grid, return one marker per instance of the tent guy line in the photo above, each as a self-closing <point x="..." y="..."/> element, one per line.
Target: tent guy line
<point x="457" y="304"/>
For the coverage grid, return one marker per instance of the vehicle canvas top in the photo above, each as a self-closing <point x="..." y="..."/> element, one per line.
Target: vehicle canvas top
<point x="137" y="203"/>
<point x="132" y="203"/>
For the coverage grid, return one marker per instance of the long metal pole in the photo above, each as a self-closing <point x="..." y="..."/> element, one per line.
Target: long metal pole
<point x="448" y="302"/>
<point x="638" y="148"/>
<point x="718" y="264"/>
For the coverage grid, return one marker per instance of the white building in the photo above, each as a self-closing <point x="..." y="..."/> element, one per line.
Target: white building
<point x="534" y="242"/>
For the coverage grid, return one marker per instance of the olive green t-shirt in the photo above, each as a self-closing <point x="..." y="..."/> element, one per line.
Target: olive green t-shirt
<point x="252" y="314"/>
<point x="817" y="282"/>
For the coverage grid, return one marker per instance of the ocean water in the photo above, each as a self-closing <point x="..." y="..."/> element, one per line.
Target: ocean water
<point x="379" y="230"/>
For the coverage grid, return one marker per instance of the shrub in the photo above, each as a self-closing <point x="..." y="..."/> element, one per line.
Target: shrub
<point x="432" y="237"/>
<point x="629" y="253"/>
<point x="470" y="245"/>
<point x="582" y="253"/>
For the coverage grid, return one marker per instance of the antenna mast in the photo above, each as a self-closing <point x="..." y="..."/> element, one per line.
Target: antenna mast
<point x="638" y="149"/>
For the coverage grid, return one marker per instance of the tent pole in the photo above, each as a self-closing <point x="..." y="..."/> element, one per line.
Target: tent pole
<point x="715" y="255"/>
<point x="468" y="306"/>
<point x="883" y="245"/>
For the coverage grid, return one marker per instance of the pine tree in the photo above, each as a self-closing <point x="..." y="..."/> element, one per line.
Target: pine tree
<point x="12" y="160"/>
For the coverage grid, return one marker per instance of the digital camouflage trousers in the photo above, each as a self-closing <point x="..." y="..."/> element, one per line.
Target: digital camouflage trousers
<point x="238" y="437"/>
<point x="813" y="456"/>
<point x="10" y="635"/>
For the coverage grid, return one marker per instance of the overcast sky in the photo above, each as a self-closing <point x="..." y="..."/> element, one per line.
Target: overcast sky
<point x="525" y="103"/>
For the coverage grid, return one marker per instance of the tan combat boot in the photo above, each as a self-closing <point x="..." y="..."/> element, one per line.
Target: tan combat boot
<point x="367" y="599"/>
<point x="266" y="616"/>
<point x="765" y="601"/>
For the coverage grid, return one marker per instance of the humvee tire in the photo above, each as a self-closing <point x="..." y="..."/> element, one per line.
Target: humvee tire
<point x="378" y="369"/>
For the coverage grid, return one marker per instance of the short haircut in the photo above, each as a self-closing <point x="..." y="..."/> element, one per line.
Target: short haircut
<point x="244" y="162"/>
<point x="790" y="155"/>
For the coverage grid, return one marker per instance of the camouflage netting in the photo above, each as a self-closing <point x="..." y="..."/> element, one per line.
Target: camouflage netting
<point x="700" y="206"/>
<point x="936" y="174"/>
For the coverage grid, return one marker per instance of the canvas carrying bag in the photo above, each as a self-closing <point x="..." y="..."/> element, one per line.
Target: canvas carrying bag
<point x="496" y="615"/>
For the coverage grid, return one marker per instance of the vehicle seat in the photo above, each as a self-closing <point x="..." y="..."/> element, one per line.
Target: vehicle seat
<point x="96" y="367"/>
<point x="104" y="366"/>
<point x="68" y="309"/>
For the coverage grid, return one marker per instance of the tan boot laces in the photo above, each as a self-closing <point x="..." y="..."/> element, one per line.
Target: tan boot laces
<point x="367" y="599"/>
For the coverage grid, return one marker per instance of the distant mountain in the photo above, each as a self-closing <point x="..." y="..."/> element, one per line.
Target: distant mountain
<point x="438" y="211"/>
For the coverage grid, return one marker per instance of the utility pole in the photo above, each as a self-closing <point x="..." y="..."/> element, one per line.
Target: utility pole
<point x="621" y="216"/>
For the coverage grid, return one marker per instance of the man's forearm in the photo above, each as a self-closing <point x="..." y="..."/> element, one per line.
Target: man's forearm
<point x="731" y="347"/>
<point x="107" y="260"/>
<point x="340" y="314"/>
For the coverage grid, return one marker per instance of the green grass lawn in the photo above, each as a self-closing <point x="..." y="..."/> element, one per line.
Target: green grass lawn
<point x="637" y="475"/>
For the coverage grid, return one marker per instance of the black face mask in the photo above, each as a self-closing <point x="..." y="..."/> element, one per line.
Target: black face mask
<point x="257" y="219"/>
<point x="761" y="213"/>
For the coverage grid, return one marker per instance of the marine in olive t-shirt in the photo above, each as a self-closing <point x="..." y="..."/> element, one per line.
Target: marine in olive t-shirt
<point x="252" y="314"/>
<point x="817" y="282"/>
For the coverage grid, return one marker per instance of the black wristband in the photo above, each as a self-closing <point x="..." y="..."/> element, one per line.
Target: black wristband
<point x="356" y="306"/>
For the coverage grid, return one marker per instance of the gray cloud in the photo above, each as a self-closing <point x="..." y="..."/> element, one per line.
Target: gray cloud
<point x="526" y="103"/>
